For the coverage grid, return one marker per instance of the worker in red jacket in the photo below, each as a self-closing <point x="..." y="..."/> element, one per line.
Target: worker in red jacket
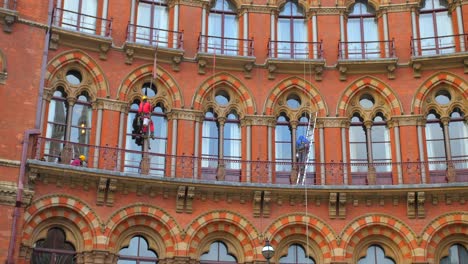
<point x="144" y="110"/>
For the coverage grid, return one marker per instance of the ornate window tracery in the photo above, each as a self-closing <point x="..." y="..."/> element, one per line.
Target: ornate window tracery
<point x="137" y="251"/>
<point x="54" y="249"/>
<point x="218" y="253"/>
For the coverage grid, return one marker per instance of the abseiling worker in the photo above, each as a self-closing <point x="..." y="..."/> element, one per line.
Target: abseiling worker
<point x="78" y="161"/>
<point x="144" y="110"/>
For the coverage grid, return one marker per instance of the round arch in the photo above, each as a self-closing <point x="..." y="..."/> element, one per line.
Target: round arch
<point x="294" y="82"/>
<point x="87" y="62"/>
<point x="374" y="84"/>
<point x="237" y="231"/>
<point x="208" y="86"/>
<point x="433" y="81"/>
<point x="170" y="84"/>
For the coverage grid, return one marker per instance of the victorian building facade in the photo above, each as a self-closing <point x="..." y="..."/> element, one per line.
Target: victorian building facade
<point x="379" y="89"/>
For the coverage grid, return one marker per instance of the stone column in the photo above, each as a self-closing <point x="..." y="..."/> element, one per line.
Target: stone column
<point x="221" y="171"/>
<point x="448" y="151"/>
<point x="371" y="174"/>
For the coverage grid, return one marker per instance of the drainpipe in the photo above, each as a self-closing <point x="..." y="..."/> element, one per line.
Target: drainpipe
<point x="27" y="134"/>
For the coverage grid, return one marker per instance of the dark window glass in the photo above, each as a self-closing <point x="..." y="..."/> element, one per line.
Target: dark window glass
<point x="375" y="255"/>
<point x="54" y="249"/>
<point x="56" y="125"/>
<point x="457" y="255"/>
<point x="283" y="144"/>
<point x="218" y="253"/>
<point x="132" y="159"/>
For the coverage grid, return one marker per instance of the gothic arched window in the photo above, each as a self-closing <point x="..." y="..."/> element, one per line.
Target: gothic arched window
<point x="54" y="249"/>
<point x="218" y="254"/>
<point x="138" y="251"/>
<point x="375" y="255"/>
<point x="296" y="255"/>
<point x="362" y="32"/>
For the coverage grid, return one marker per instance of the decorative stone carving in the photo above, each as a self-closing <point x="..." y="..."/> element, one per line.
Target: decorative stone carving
<point x="54" y="41"/>
<point x="332" y="202"/>
<point x="391" y="71"/>
<point x="271" y="71"/>
<point x="248" y="70"/>
<point x="8" y="21"/>
<point x="3" y="77"/>
<point x="411" y="205"/>
<point x="129" y="52"/>
<point x="465" y="64"/>
<point x="342" y="205"/>
<point x="176" y="60"/>
<point x="318" y="73"/>
<point x="266" y="204"/>
<point x="420" y="205"/>
<point x="101" y="191"/>
<point x="417" y="67"/>
<point x="189" y="199"/>
<point x="202" y="66"/>
<point x="342" y="70"/>
<point x="180" y="199"/>
<point x="103" y="49"/>
<point x="111" y="192"/>
<point x="257" y="200"/>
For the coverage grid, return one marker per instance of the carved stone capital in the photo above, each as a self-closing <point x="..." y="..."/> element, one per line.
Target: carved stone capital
<point x="54" y="41"/>
<point x="8" y="21"/>
<point x="417" y="67"/>
<point x="103" y="49"/>
<point x="405" y="120"/>
<point x="129" y="53"/>
<point x="202" y="66"/>
<point x="176" y="60"/>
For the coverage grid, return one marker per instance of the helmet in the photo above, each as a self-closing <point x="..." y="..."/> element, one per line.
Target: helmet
<point x="144" y="97"/>
<point x="82" y="157"/>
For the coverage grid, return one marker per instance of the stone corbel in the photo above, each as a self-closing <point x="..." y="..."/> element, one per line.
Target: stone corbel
<point x="54" y="41"/>
<point x="343" y="70"/>
<point x="271" y="71"/>
<point x="201" y="66"/>
<point x="180" y="199"/>
<point x="420" y="207"/>
<point x="103" y="49"/>
<point x="129" y="52"/>
<point x="342" y="205"/>
<point x="417" y="70"/>
<point x="3" y="77"/>
<point x="391" y="71"/>
<point x="189" y="199"/>
<point x="465" y="64"/>
<point x="33" y="176"/>
<point x="318" y="73"/>
<point x="248" y="70"/>
<point x="333" y="199"/>
<point x="176" y="60"/>
<point x="411" y="205"/>
<point x="8" y="21"/>
<point x="111" y="192"/>
<point x="101" y="191"/>
<point x="257" y="201"/>
<point x="266" y="204"/>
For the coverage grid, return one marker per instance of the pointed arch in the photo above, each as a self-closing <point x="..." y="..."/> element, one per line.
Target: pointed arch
<point x="163" y="76"/>
<point x="87" y="62"/>
<point x="297" y="224"/>
<point x="374" y="84"/>
<point x="142" y="215"/>
<point x="310" y="91"/>
<point x="203" y="91"/>
<point x="379" y="225"/>
<point x="230" y="223"/>
<point x="448" y="78"/>
<point x="446" y="225"/>
<point x="64" y="206"/>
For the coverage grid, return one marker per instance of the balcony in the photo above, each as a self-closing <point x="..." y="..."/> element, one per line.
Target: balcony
<point x="366" y="57"/>
<point x="52" y="159"/>
<point x="295" y="57"/>
<point x="439" y="53"/>
<point x="144" y="42"/>
<point x="8" y="15"/>
<point x="81" y="31"/>
<point x="225" y="53"/>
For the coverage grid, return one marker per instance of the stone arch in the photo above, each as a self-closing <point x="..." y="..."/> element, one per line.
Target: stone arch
<point x="238" y="231"/>
<point x="298" y="224"/>
<point x="374" y="84"/>
<point x="205" y="91"/>
<point x="138" y="215"/>
<point x="3" y="67"/>
<point x="64" y="206"/>
<point x="171" y="87"/>
<point x="237" y="3"/>
<point x="87" y="62"/>
<point x="306" y="87"/>
<point x="303" y="3"/>
<point x="436" y="79"/>
<point x="378" y="225"/>
<point x="374" y="3"/>
<point x="449" y="224"/>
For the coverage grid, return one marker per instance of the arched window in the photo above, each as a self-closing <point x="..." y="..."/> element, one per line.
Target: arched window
<point x="375" y="255"/>
<point x="137" y="252"/>
<point x="152" y="22"/>
<point x="296" y="255"/>
<point x="210" y="144"/>
<point x="362" y="32"/>
<point x="133" y="144"/>
<point x="292" y="32"/>
<point x="223" y="28"/>
<point x="67" y="122"/>
<point x="305" y="150"/>
<point x="447" y="142"/>
<point x="80" y="15"/>
<point x="159" y="144"/>
<point x="218" y="253"/>
<point x="232" y="142"/>
<point x="54" y="249"/>
<point x="370" y="150"/>
<point x="283" y="148"/>
<point x="435" y="28"/>
<point x="457" y="255"/>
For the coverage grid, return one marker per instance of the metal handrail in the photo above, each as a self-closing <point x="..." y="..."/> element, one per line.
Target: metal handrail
<point x="191" y="166"/>
<point x="77" y="21"/>
<point x="439" y="45"/>
<point x="154" y="36"/>
<point x="295" y="49"/>
<point x="349" y="50"/>
<point x="225" y="45"/>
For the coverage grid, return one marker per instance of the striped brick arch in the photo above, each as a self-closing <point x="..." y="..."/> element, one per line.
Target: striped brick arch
<point x="224" y="78"/>
<point x="444" y="226"/>
<point x="439" y="78"/>
<point x="374" y="84"/>
<point x="76" y="56"/>
<point x="222" y="221"/>
<point x="319" y="231"/>
<point x="378" y="225"/>
<point x="311" y="92"/>
<point x="142" y="215"/>
<point x="65" y="207"/>
<point x="145" y="71"/>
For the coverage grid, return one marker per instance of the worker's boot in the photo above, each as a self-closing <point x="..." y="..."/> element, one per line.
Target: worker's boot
<point x="152" y="135"/>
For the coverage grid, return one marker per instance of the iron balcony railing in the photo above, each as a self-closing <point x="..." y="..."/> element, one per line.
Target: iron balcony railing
<point x="225" y="46"/>
<point x="188" y="166"/>
<point x="75" y="21"/>
<point x="439" y="45"/>
<point x="366" y="50"/>
<point x="294" y="49"/>
<point x="155" y="36"/>
<point x="9" y="4"/>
